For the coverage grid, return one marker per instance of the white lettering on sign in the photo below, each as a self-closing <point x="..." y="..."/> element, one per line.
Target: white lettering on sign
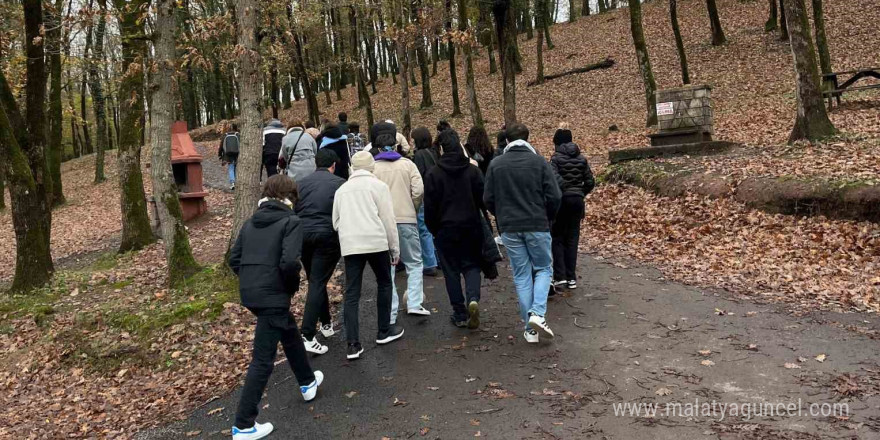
<point x="665" y="108"/>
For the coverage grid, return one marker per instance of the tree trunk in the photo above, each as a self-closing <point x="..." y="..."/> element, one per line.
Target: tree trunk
<point x="539" y="46"/>
<point x="679" y="43"/>
<point x="812" y="119"/>
<point x="505" y="28"/>
<point x="88" y="147"/>
<point x="97" y="90"/>
<point x="821" y="39"/>
<point x="24" y="160"/>
<point x="178" y="255"/>
<point x="353" y="15"/>
<point x="405" y="116"/>
<point x="136" y="231"/>
<point x="55" y="148"/>
<point x="247" y="188"/>
<point x="783" y="22"/>
<point x="715" y="24"/>
<point x="453" y="76"/>
<point x="638" y="35"/>
<point x="545" y="27"/>
<point x="422" y="58"/>
<point x="773" y="18"/>
<point x="476" y="113"/>
<point x="585" y="8"/>
<point x="308" y="93"/>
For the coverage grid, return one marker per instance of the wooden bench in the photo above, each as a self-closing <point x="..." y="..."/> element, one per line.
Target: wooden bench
<point x="834" y="89"/>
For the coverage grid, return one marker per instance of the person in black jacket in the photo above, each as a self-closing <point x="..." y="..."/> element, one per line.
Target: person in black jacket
<point x="577" y="181"/>
<point x="425" y="159"/>
<point x="479" y="148"/>
<point x="334" y="139"/>
<point x="273" y="133"/>
<point x="453" y="197"/>
<point x="320" y="251"/>
<point x="266" y="259"/>
<point x="523" y="194"/>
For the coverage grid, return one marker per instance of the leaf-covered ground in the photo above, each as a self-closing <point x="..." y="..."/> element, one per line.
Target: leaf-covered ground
<point x="106" y="349"/>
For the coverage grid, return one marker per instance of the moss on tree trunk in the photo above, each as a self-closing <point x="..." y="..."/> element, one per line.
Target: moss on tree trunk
<point x="638" y="36"/>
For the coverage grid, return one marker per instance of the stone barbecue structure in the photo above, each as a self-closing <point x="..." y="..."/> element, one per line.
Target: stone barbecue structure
<point x="684" y="115"/>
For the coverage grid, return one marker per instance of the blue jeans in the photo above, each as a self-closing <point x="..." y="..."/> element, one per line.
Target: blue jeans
<point x="531" y="259"/>
<point x="411" y="256"/>
<point x="429" y="254"/>
<point x="231" y="170"/>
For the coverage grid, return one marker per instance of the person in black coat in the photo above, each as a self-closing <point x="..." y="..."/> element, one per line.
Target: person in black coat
<point x="577" y="181"/>
<point x="334" y="139"/>
<point x="453" y="198"/>
<point x="320" y="251"/>
<point x="266" y="259"/>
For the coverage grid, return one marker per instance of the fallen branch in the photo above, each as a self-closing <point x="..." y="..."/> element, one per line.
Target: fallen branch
<point x="604" y="64"/>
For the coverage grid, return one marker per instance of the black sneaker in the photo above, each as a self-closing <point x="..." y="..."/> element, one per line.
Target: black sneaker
<point x="458" y="322"/>
<point x="394" y="332"/>
<point x="354" y="351"/>
<point x="430" y="272"/>
<point x="473" y="321"/>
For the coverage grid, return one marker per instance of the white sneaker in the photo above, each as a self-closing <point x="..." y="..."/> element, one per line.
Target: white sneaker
<point x="539" y="323"/>
<point x="327" y="330"/>
<point x="419" y="311"/>
<point x="259" y="430"/>
<point x="311" y="390"/>
<point x="531" y="336"/>
<point x="314" y="346"/>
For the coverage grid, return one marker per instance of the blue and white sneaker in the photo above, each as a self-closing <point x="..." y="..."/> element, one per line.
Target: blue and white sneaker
<point x="259" y="430"/>
<point x="309" y="391"/>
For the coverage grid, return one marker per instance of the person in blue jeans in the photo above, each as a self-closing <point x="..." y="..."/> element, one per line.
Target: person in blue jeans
<point x="425" y="158"/>
<point x="228" y="152"/>
<point x="523" y="194"/>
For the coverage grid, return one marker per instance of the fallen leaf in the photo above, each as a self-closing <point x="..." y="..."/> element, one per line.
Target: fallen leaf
<point x="193" y="433"/>
<point x="350" y="394"/>
<point x="663" y="392"/>
<point x="705" y="352"/>
<point x="215" y="411"/>
<point x="821" y="357"/>
<point x="792" y="365"/>
<point x="424" y="431"/>
<point x="707" y="363"/>
<point x="433" y="388"/>
<point x="398" y="402"/>
<point x="475" y="422"/>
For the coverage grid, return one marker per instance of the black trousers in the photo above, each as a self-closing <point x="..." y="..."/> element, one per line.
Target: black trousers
<point x="380" y="263"/>
<point x="320" y="253"/>
<point x="460" y="255"/>
<point x="270" y="162"/>
<point x="273" y="325"/>
<point x="566" y="235"/>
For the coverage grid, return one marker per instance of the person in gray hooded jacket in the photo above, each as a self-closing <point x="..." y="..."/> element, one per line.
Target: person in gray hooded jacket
<point x="297" y="155"/>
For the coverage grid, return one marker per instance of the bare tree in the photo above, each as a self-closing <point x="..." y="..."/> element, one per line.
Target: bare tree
<point x="505" y="28"/>
<point x="679" y="43"/>
<point x="773" y="18"/>
<point x="812" y="119"/>
<point x="97" y="90"/>
<point x="821" y="39"/>
<point x="638" y="35"/>
<point x="54" y="148"/>
<point x="178" y="254"/>
<point x="476" y="113"/>
<point x="453" y="77"/>
<point x="718" y="37"/>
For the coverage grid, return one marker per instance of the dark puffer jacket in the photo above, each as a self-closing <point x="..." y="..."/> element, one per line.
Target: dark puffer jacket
<point x="266" y="257"/>
<point x="573" y="168"/>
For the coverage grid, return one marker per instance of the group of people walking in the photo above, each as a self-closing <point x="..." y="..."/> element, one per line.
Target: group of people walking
<point x="337" y="195"/>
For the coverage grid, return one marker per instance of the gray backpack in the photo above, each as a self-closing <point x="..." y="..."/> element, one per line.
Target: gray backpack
<point x="230" y="144"/>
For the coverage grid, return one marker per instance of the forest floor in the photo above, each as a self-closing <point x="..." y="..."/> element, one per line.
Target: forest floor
<point x="107" y="349"/>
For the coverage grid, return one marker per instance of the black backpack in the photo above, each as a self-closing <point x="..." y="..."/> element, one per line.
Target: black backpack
<point x="230" y="144"/>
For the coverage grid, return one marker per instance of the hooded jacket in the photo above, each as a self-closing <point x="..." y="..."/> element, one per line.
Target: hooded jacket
<point x="453" y="195"/>
<point x="363" y="214"/>
<point x="403" y="179"/>
<point x="273" y="132"/>
<point x="266" y="256"/>
<point x="521" y="190"/>
<point x="298" y="149"/>
<point x="317" y="191"/>
<point x="573" y="168"/>
<point x="334" y="139"/>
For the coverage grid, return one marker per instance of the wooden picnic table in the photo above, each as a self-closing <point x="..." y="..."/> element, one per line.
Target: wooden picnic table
<point x="837" y="89"/>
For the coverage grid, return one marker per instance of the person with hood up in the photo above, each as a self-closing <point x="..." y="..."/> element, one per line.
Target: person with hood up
<point x="273" y="133"/>
<point x="425" y="158"/>
<point x="298" y="151"/>
<point x="265" y="258"/>
<point x="334" y="139"/>
<point x="577" y="182"/>
<point x="453" y="198"/>
<point x="320" y="245"/>
<point x="403" y="179"/>
<point x="523" y="194"/>
<point x="363" y="214"/>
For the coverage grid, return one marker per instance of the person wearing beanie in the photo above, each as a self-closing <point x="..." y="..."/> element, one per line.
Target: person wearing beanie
<point x="363" y="215"/>
<point x="403" y="179"/>
<point x="523" y="194"/>
<point x="266" y="260"/>
<point x="320" y="250"/>
<point x="576" y="182"/>
<point x="334" y="139"/>
<point x="453" y="197"/>
<point x="425" y="158"/>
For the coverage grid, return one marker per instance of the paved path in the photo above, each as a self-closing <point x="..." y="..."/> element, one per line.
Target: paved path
<point x="625" y="335"/>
